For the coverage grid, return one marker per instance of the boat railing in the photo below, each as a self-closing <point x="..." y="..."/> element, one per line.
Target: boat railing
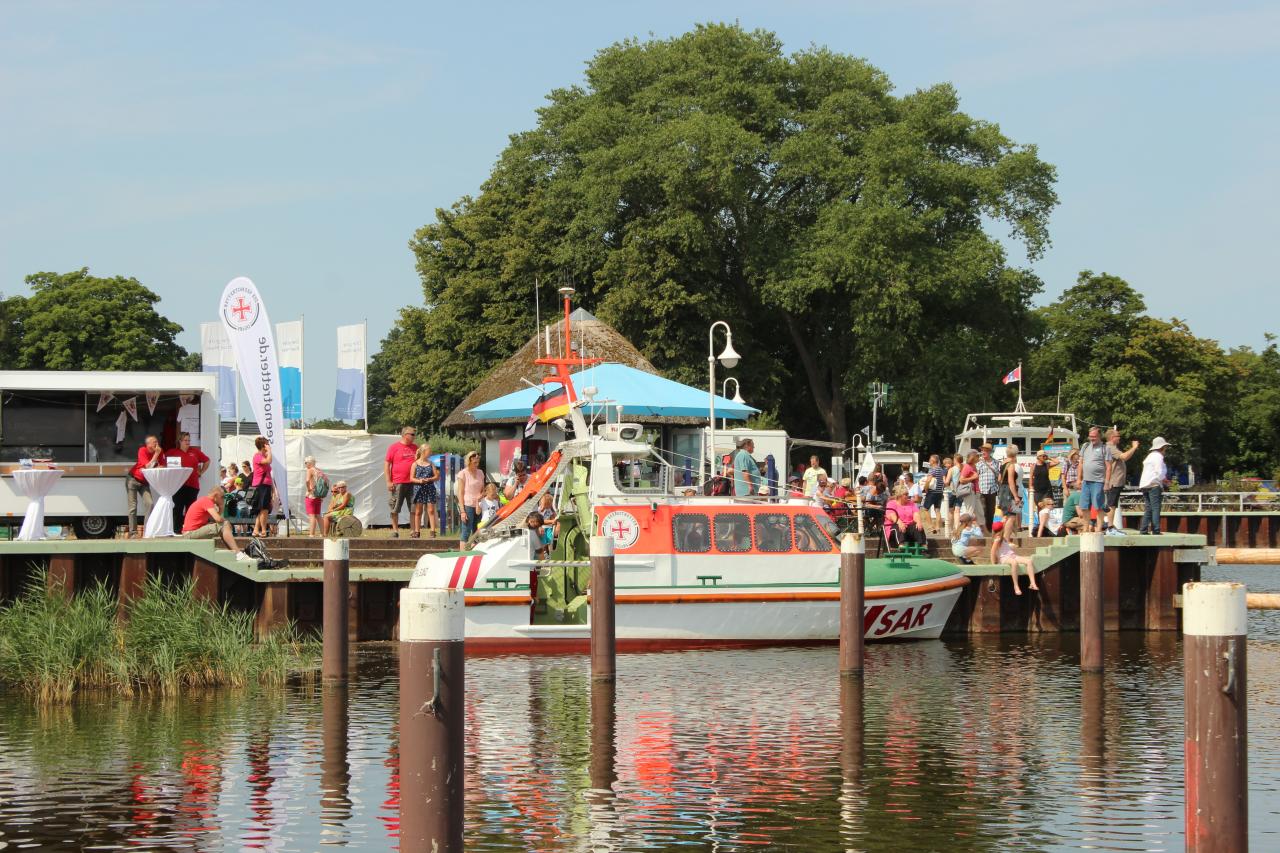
<point x="1207" y="503"/>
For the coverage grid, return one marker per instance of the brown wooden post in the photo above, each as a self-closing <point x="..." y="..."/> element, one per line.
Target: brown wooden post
<point x="1161" y="614"/>
<point x="61" y="575"/>
<point x="273" y="607"/>
<point x="133" y="579"/>
<point x="432" y="715"/>
<point x="1215" y="624"/>
<point x="853" y="578"/>
<point x="353" y="612"/>
<point x="1091" y="633"/>
<point x="604" y="663"/>
<point x="853" y="795"/>
<point x="337" y="577"/>
<point x="204" y="578"/>
<point x="335" y="769"/>
<point x="1093" y="737"/>
<point x="1111" y="589"/>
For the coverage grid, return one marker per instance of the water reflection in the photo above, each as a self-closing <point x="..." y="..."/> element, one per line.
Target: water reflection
<point x="995" y="744"/>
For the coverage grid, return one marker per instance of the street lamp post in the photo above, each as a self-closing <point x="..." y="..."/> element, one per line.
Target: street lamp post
<point x="729" y="358"/>
<point x="736" y="398"/>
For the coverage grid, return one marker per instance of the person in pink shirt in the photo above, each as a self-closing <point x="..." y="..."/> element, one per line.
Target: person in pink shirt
<point x="397" y="468"/>
<point x="900" y="517"/>
<point x="468" y="487"/>
<point x="263" y="487"/>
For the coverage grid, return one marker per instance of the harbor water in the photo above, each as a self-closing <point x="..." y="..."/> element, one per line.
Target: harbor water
<point x="995" y="743"/>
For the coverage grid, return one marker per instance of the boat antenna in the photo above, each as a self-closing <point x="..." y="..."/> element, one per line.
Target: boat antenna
<point x="537" y="314"/>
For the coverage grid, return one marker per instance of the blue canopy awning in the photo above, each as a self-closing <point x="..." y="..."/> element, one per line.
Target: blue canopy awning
<point x="638" y="392"/>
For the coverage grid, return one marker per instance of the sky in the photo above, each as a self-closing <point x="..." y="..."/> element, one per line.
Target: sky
<point x="302" y="144"/>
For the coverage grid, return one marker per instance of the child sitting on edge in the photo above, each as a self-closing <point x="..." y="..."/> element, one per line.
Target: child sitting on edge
<point x="489" y="503"/>
<point x="540" y="533"/>
<point x="964" y="546"/>
<point x="1002" y="552"/>
<point x="1046" y="507"/>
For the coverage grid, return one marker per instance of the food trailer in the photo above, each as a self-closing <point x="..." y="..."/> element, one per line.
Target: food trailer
<point x="90" y="424"/>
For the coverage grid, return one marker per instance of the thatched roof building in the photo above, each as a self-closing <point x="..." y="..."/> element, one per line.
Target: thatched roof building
<point x="598" y="340"/>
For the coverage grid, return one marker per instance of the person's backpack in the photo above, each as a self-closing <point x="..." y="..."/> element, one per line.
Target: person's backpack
<point x="257" y="550"/>
<point x="321" y="485"/>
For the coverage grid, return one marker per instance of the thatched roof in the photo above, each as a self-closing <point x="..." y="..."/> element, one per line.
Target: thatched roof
<point x="598" y="340"/>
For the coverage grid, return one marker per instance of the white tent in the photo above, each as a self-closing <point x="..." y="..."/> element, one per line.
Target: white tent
<point x="350" y="455"/>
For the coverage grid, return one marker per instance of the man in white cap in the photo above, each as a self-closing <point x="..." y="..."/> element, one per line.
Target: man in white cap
<point x="1155" y="474"/>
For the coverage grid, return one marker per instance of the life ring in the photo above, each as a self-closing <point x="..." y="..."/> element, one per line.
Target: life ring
<point x="535" y="484"/>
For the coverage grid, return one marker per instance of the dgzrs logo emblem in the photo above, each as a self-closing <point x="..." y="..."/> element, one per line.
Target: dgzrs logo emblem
<point x="623" y="527"/>
<point x="241" y="308"/>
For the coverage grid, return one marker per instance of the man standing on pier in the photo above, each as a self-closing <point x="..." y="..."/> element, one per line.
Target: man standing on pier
<point x="988" y="484"/>
<point x="1117" y="474"/>
<point x="1095" y="465"/>
<point x="397" y="469"/>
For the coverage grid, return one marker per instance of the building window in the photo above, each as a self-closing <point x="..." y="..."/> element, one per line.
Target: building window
<point x="773" y="532"/>
<point x="809" y="535"/>
<point x="690" y="530"/>
<point x="733" y="532"/>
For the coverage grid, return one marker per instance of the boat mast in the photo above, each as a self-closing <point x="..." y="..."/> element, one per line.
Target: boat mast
<point x="1020" y="409"/>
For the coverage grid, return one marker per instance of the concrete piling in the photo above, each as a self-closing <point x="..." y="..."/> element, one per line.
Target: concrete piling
<point x="1214" y="627"/>
<point x="603" y="640"/>
<point x="337" y="574"/>
<point x="432" y="714"/>
<point x="853" y="572"/>
<point x="1091" y="606"/>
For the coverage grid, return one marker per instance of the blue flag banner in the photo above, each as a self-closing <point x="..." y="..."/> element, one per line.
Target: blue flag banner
<point x="217" y="357"/>
<point x="348" y="402"/>
<point x="289" y="353"/>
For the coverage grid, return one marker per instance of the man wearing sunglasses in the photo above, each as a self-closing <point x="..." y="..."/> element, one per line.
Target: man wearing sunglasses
<point x="397" y="469"/>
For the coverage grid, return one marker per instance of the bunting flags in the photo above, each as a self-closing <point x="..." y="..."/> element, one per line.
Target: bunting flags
<point x="153" y="397"/>
<point x="103" y="399"/>
<point x="131" y="406"/>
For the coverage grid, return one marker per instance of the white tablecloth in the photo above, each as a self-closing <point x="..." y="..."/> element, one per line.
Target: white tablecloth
<point x="165" y="481"/>
<point x="35" y="483"/>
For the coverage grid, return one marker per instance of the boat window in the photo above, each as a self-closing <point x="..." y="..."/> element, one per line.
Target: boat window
<point x="689" y="530"/>
<point x="809" y="536"/>
<point x="642" y="474"/>
<point x="733" y="532"/>
<point x="773" y="532"/>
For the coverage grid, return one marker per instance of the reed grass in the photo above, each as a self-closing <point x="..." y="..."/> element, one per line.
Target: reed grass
<point x="169" y="640"/>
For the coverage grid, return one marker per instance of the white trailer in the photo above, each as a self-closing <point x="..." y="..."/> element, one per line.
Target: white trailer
<point x="91" y="424"/>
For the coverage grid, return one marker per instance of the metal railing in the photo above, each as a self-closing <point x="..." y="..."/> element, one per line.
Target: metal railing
<point x="1209" y="503"/>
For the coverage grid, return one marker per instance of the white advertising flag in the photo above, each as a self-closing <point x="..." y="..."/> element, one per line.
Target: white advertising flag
<point x="216" y="357"/>
<point x="252" y="340"/>
<point x="289" y="351"/>
<point x="348" y="403"/>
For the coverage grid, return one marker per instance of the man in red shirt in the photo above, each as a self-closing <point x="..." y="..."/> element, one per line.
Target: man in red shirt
<point x="136" y="485"/>
<point x="398" y="471"/>
<point x="204" y="521"/>
<point x="193" y="458"/>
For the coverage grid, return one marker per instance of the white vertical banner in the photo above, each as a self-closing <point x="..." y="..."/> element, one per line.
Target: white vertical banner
<point x="216" y="357"/>
<point x="249" y="330"/>
<point x="348" y="403"/>
<point x="289" y="352"/>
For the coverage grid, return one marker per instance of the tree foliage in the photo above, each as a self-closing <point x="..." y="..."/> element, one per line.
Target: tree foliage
<point x="77" y="321"/>
<point x="838" y="227"/>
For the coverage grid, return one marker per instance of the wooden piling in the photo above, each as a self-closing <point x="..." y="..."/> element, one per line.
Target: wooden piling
<point x="1247" y="556"/>
<point x="603" y="640"/>
<point x="432" y="714"/>
<point x="1215" y="624"/>
<point x="1091" y="630"/>
<point x="853" y="573"/>
<point x="204" y="581"/>
<point x="604" y="721"/>
<point x="337" y="576"/>
<point x="61" y="575"/>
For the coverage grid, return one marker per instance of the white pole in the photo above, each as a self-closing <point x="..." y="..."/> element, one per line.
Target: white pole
<point x="302" y="370"/>
<point x="711" y="401"/>
<point x="364" y="364"/>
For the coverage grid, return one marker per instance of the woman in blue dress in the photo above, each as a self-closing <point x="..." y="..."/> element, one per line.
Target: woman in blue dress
<point x="425" y="476"/>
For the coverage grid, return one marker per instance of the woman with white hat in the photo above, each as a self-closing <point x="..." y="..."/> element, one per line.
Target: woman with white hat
<point x="1155" y="475"/>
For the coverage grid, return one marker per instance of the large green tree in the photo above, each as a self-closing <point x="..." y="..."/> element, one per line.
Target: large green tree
<point x="838" y="227"/>
<point x="77" y="321"/>
<point x="1119" y="366"/>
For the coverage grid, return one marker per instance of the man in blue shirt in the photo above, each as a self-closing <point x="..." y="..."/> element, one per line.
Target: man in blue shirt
<point x="746" y="473"/>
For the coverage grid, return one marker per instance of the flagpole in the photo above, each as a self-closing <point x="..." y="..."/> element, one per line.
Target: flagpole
<point x="302" y="371"/>
<point x="364" y="366"/>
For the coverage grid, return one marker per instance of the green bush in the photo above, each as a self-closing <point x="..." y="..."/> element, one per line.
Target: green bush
<point x="51" y="646"/>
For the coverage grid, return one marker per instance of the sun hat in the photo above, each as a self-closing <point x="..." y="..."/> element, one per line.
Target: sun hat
<point x="1159" y="442"/>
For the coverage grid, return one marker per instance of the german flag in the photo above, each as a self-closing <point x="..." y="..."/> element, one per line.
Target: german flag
<point x="552" y="404"/>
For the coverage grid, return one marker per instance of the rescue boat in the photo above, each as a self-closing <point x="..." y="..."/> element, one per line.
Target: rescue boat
<point x="692" y="570"/>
